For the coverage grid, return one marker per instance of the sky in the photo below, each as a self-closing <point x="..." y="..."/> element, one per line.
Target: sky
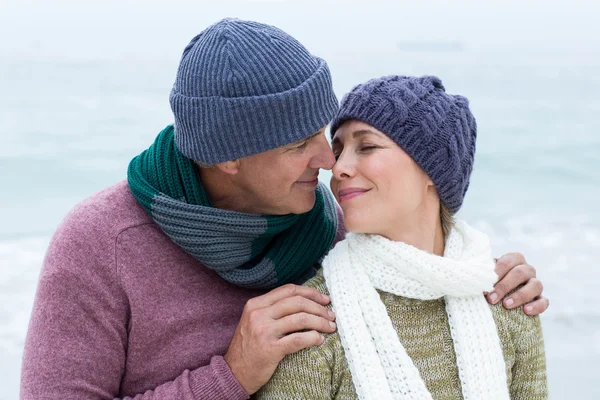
<point x="144" y="29"/>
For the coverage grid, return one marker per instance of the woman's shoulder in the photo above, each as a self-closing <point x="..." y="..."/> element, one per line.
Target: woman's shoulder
<point x="522" y="343"/>
<point x="314" y="372"/>
<point x="331" y="347"/>
<point x="517" y="329"/>
<point x="318" y="282"/>
<point x="514" y="319"/>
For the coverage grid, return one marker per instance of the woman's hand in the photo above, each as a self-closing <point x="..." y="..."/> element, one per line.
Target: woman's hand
<point x="513" y="271"/>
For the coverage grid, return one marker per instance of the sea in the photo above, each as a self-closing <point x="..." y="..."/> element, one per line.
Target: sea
<point x="84" y="88"/>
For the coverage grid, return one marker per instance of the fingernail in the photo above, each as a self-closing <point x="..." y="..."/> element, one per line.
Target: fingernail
<point x="322" y="338"/>
<point x="332" y="324"/>
<point x="331" y="314"/>
<point x="528" y="308"/>
<point x="325" y="297"/>
<point x="494" y="297"/>
<point x="508" y="302"/>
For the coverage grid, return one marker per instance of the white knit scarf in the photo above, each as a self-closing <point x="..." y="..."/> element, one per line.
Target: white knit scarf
<point x="380" y="366"/>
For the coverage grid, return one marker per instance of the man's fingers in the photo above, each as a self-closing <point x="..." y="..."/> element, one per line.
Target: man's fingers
<point x="284" y="291"/>
<point x="515" y="277"/>
<point x="532" y="289"/>
<point x="297" y="341"/>
<point x="537" y="306"/>
<point x="297" y="304"/>
<point x="303" y="321"/>
<point x="507" y="262"/>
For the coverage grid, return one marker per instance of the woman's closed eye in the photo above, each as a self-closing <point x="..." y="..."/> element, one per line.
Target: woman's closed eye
<point x="364" y="148"/>
<point x="368" y="148"/>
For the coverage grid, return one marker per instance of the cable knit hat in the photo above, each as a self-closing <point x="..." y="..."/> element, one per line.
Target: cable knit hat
<point x="243" y="88"/>
<point x="435" y="128"/>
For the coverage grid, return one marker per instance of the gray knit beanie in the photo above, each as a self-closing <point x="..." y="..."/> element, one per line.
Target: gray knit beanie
<point x="243" y="88"/>
<point x="435" y="128"/>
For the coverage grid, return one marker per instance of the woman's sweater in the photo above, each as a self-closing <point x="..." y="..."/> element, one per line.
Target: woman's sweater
<point x="322" y="372"/>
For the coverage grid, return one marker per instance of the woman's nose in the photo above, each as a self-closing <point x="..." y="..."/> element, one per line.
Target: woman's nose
<point x="344" y="167"/>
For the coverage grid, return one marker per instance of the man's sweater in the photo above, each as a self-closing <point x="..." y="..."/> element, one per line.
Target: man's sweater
<point x="122" y="311"/>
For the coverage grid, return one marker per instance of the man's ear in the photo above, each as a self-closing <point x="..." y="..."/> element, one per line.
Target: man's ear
<point x="231" y="167"/>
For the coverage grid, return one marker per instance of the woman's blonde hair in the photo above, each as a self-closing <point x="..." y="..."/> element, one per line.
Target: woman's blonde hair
<point x="447" y="220"/>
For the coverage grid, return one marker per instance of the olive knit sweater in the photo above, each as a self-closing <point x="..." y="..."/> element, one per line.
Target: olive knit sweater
<point x="322" y="372"/>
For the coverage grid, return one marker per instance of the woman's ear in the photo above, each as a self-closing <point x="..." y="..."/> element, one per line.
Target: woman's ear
<point x="231" y="167"/>
<point x="430" y="186"/>
<point x="428" y="182"/>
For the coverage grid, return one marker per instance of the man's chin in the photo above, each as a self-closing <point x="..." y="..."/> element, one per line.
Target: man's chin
<point x="303" y="204"/>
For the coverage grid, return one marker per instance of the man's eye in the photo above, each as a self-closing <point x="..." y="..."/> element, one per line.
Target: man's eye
<point x="301" y="146"/>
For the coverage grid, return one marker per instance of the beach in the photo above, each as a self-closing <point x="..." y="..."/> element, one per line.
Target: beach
<point x="71" y="121"/>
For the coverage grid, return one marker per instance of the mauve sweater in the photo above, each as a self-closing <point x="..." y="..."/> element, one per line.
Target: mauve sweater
<point x="123" y="312"/>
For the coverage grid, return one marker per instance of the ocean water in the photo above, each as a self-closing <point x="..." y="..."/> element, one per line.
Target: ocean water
<point x="70" y="123"/>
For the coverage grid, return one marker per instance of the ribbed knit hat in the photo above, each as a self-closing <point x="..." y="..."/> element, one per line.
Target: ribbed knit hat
<point x="435" y="128"/>
<point x="243" y="88"/>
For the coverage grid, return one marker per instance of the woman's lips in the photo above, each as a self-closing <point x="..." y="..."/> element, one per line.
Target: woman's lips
<point x="350" y="193"/>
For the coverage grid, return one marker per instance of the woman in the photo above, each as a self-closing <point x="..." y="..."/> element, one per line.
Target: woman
<point x="406" y="285"/>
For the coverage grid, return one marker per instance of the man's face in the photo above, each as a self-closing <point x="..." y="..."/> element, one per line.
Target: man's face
<point x="283" y="180"/>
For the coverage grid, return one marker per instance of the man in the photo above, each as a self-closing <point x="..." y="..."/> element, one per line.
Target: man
<point x="180" y="282"/>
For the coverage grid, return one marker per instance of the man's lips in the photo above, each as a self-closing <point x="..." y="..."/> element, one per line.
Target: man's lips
<point x="350" y="193"/>
<point x="310" y="182"/>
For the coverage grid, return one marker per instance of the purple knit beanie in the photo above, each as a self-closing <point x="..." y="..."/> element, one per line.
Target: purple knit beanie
<point x="435" y="128"/>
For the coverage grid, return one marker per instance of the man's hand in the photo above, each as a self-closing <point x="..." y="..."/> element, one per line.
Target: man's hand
<point x="270" y="329"/>
<point x="513" y="271"/>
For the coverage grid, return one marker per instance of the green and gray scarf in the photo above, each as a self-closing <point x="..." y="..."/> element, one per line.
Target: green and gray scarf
<point x="249" y="250"/>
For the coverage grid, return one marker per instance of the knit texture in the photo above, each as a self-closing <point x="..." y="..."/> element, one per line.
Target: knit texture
<point x="250" y="250"/>
<point x="322" y="372"/>
<point x="123" y="312"/>
<point x="381" y="368"/>
<point x="435" y="128"/>
<point x="243" y="88"/>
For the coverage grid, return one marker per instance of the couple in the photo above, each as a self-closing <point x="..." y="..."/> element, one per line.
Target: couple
<point x="181" y="283"/>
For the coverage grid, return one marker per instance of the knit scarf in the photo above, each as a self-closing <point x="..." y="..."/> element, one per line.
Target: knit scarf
<point x="250" y="250"/>
<point x="379" y="364"/>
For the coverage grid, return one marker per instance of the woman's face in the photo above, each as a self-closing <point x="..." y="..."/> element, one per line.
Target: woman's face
<point x="376" y="183"/>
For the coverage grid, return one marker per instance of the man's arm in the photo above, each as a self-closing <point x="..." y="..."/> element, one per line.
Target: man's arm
<point x="513" y="271"/>
<point x="76" y="346"/>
